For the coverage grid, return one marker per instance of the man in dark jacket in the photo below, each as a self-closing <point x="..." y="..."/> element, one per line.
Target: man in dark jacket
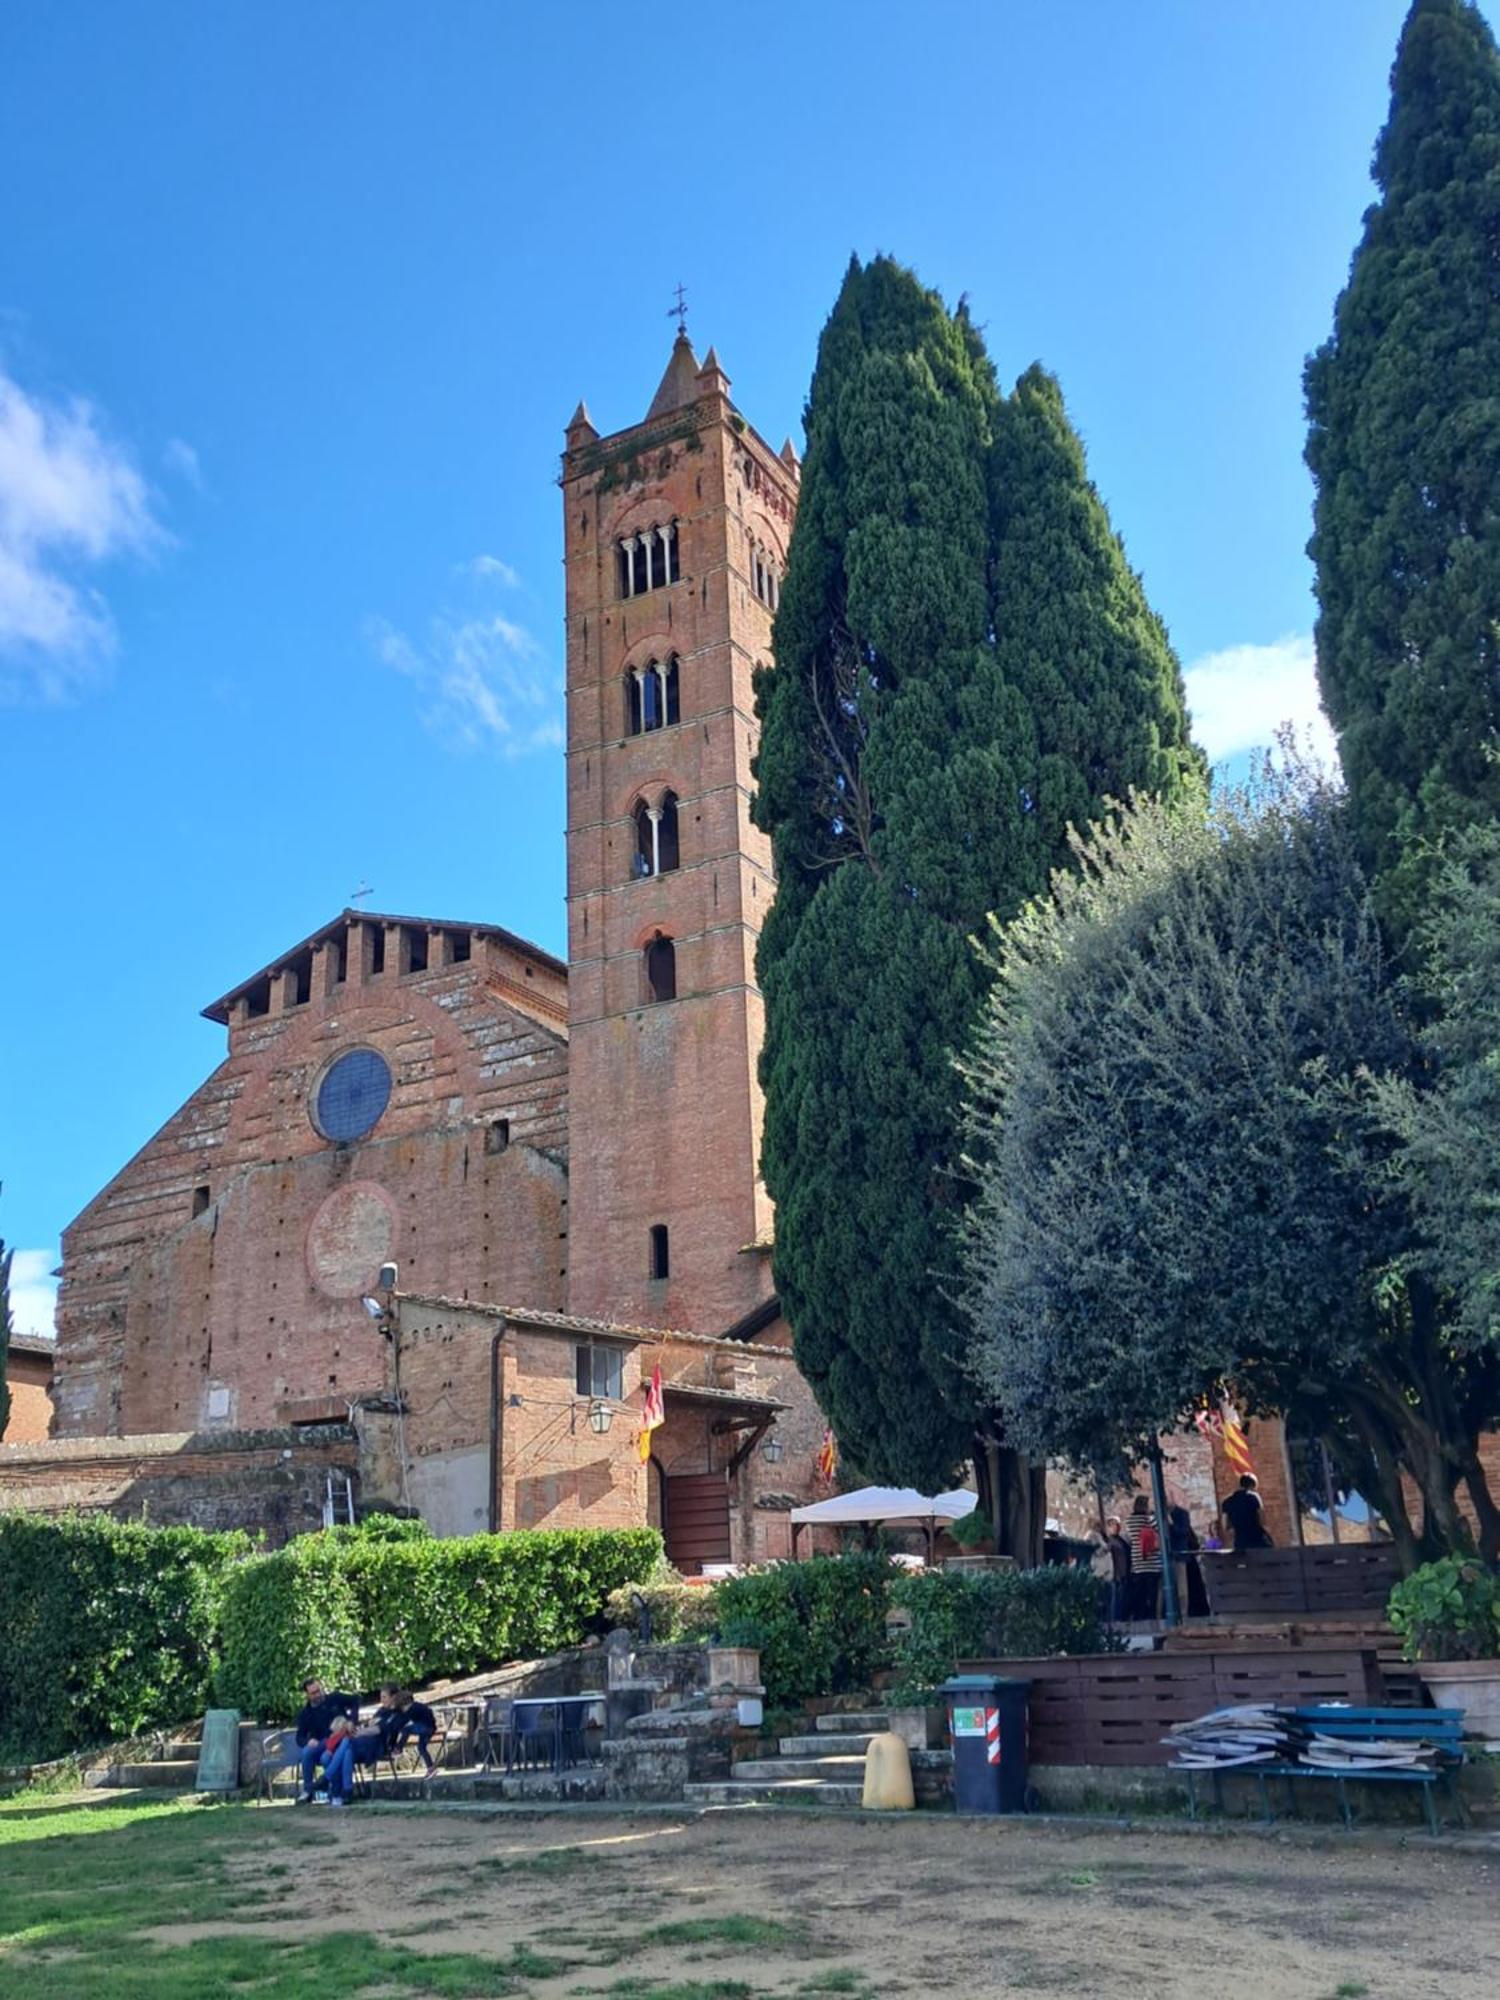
<point x="1245" y="1517"/>
<point x="313" y="1725"/>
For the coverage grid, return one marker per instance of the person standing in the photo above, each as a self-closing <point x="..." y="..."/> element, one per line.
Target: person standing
<point x="1145" y="1560"/>
<point x="1118" y="1551"/>
<point x="1183" y="1546"/>
<point x="1244" y="1516"/>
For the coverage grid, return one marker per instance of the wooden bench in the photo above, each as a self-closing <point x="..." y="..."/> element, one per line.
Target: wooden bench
<point x="1443" y="1727"/>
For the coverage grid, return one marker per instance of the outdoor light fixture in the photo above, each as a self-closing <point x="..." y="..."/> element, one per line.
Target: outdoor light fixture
<point x="373" y="1307"/>
<point x="601" y="1416"/>
<point x="772" y="1449"/>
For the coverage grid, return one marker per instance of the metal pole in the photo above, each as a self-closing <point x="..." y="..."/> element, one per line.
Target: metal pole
<point x="1328" y="1492"/>
<point x="1169" y="1605"/>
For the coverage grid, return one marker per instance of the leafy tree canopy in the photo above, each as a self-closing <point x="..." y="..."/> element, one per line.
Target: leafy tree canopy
<point x="1404" y="448"/>
<point x="1178" y="1181"/>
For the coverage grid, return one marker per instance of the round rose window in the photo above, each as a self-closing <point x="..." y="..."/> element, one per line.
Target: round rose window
<point x="354" y="1092"/>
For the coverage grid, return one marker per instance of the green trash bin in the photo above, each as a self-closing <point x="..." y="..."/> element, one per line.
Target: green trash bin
<point x="987" y="1724"/>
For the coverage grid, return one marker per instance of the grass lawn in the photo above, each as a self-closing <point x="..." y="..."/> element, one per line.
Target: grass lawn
<point x="151" y="1899"/>
<point x="106" y="1897"/>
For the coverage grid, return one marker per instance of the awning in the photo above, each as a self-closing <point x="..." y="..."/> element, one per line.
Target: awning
<point x="886" y="1503"/>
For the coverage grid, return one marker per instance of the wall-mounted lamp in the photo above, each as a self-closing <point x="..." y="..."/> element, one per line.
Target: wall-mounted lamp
<point x="601" y="1416"/>
<point x="772" y="1449"/>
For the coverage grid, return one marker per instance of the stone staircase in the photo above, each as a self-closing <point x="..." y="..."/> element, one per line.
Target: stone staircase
<point x="824" y="1769"/>
<point x="170" y="1764"/>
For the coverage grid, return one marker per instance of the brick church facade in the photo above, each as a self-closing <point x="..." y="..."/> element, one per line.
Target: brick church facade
<point x="448" y="1098"/>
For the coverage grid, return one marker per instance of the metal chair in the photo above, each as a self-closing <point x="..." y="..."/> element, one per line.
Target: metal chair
<point x="497" y="1736"/>
<point x="278" y="1755"/>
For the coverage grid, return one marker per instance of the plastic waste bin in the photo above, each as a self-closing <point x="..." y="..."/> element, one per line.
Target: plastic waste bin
<point x="987" y="1722"/>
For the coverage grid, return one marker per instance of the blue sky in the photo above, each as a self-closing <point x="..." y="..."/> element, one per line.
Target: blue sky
<point x="295" y="300"/>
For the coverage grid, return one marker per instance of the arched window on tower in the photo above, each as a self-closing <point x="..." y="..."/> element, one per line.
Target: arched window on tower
<point x="652" y="700"/>
<point x="647" y="559"/>
<point x="656" y="850"/>
<point x="661" y="969"/>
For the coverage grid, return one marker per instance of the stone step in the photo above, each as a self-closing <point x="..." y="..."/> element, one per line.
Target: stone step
<point x="177" y="1752"/>
<point x="165" y="1773"/>
<point x="875" y="1720"/>
<point x="813" y="1792"/>
<point x="773" y="1770"/>
<point x="828" y="1744"/>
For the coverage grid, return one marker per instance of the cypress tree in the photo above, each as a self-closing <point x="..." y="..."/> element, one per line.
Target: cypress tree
<point x="1404" y="448"/>
<point x="910" y="790"/>
<point x="1077" y="638"/>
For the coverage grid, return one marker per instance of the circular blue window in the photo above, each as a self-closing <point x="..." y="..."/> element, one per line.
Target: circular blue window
<point x="354" y="1092"/>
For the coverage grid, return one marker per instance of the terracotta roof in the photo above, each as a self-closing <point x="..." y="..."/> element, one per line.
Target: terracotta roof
<point x="694" y="1392"/>
<point x="32" y="1343"/>
<point x="218" y="1010"/>
<point x="573" y="1323"/>
<point x="679" y="386"/>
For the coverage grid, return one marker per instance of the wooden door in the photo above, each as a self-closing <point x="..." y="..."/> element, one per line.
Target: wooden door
<point x="697" y="1520"/>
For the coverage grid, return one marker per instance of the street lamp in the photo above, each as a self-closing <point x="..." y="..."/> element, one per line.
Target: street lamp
<point x="772" y="1449"/>
<point x="601" y="1416"/>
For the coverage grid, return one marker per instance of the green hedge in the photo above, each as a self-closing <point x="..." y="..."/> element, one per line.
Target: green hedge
<point x="991" y="1614"/>
<point x="820" y="1624"/>
<point x="358" y="1609"/>
<point x="107" y="1628"/>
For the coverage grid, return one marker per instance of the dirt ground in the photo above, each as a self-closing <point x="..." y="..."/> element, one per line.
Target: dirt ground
<point x="907" y="1906"/>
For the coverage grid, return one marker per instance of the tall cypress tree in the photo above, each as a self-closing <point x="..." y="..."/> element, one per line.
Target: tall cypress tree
<point x="1077" y="638"/>
<point x="1404" y="447"/>
<point x="910" y="790"/>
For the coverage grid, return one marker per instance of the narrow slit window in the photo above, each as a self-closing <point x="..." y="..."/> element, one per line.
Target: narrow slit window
<point x="661" y="1260"/>
<point x="661" y="969"/>
<point x="413" y="948"/>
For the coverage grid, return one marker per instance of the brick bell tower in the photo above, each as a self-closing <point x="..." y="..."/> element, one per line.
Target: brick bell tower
<point x="675" y="538"/>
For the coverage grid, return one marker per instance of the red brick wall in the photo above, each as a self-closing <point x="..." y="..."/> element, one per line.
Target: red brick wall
<point x="29" y="1377"/>
<point x="240" y="1314"/>
<point x="663" y="1101"/>
<point x="273" y="1481"/>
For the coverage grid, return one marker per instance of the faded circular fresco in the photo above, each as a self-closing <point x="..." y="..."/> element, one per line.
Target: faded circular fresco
<point x="350" y="1237"/>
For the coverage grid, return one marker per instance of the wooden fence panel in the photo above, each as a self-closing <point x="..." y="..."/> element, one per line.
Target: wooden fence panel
<point x="1270" y="1583"/>
<point x="1114" y="1708"/>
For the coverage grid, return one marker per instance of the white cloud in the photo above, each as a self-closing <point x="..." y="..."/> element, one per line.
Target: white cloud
<point x="493" y="570"/>
<point x="482" y="683"/>
<point x="70" y="500"/>
<point x="33" y="1292"/>
<point x="1241" y="696"/>
<point x="180" y="459"/>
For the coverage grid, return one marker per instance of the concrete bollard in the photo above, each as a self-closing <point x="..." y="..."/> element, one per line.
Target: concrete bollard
<point x="888" y="1786"/>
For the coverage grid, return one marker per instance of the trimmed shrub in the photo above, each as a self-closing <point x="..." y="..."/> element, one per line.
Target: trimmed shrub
<point x="107" y="1628"/>
<point x="991" y="1614"/>
<point x="679" y="1609"/>
<point x="820" y="1624"/>
<point x="359" y="1608"/>
<point x="1448" y="1610"/>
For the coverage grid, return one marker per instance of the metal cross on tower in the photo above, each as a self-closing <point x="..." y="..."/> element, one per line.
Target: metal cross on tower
<point x="679" y="311"/>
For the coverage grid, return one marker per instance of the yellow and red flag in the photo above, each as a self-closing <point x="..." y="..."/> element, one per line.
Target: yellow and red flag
<point x="1236" y="1445"/>
<point x="653" y="1413"/>
<point x="828" y="1457"/>
<point x="1222" y="1422"/>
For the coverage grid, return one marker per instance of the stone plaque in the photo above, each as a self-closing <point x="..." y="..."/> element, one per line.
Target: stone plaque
<point x="219" y="1757"/>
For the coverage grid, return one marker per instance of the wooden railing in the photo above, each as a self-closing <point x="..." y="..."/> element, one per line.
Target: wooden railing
<point x="1269" y="1583"/>
<point x="1114" y="1708"/>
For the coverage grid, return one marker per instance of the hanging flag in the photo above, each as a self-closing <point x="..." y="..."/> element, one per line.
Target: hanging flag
<point x="1236" y="1446"/>
<point x="828" y="1458"/>
<point x="653" y="1413"/>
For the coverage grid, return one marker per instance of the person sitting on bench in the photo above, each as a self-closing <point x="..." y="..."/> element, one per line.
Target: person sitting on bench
<point x="414" y="1723"/>
<point x="348" y="1745"/>
<point x="313" y="1725"/>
